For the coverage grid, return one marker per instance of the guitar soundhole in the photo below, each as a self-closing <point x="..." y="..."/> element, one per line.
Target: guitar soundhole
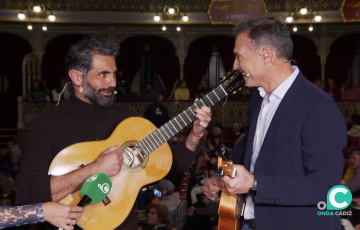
<point x="134" y="159"/>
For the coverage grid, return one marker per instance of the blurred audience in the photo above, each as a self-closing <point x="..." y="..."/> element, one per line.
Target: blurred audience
<point x="353" y="93"/>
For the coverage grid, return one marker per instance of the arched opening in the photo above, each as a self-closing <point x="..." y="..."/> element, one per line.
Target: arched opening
<point x="199" y="55"/>
<point x="162" y="56"/>
<point x="340" y="59"/>
<point x="53" y="61"/>
<point x="12" y="52"/>
<point x="305" y="55"/>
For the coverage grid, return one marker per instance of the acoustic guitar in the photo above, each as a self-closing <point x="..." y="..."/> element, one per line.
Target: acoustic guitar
<point x="231" y="207"/>
<point x="147" y="158"/>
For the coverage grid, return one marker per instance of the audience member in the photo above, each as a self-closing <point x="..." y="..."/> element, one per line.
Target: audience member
<point x="157" y="112"/>
<point x="7" y="184"/>
<point x="5" y="155"/>
<point x="355" y="128"/>
<point x="203" y="89"/>
<point x="332" y="90"/>
<point x="37" y="92"/>
<point x="354" y="184"/>
<point x="352" y="94"/>
<point x="182" y="93"/>
<point x="318" y="82"/>
<point x="148" y="94"/>
<point x="157" y="216"/>
<point x="13" y="146"/>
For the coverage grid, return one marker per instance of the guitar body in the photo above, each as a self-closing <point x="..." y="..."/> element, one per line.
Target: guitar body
<point x="125" y="185"/>
<point x="229" y="210"/>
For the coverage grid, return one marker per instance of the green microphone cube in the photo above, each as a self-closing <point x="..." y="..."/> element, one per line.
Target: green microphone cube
<point x="97" y="186"/>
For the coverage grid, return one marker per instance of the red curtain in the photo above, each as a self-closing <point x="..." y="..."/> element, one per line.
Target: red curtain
<point x="163" y="51"/>
<point x="12" y="52"/>
<point x="199" y="55"/>
<point x="197" y="62"/>
<point x="306" y="57"/>
<point x="339" y="61"/>
<point x="53" y="61"/>
<point x="226" y="47"/>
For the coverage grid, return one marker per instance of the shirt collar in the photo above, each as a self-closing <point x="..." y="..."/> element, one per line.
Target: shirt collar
<point x="281" y="90"/>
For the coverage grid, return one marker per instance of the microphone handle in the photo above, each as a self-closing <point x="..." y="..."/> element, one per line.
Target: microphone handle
<point x="85" y="200"/>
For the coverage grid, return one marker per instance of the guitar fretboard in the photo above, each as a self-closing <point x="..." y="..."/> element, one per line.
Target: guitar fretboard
<point x="175" y="125"/>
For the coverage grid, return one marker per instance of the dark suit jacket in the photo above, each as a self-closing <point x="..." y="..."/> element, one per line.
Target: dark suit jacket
<point x="300" y="159"/>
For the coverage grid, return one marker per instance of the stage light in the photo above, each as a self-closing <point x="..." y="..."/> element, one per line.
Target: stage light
<point x="52" y="18"/>
<point x="289" y="19"/>
<point x="37" y="9"/>
<point x="21" y="16"/>
<point x="303" y="11"/>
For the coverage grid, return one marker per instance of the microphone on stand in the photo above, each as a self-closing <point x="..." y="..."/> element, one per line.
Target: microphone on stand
<point x="94" y="190"/>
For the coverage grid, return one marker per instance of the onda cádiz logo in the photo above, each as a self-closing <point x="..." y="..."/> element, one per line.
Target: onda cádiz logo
<point x="105" y="188"/>
<point x="339" y="197"/>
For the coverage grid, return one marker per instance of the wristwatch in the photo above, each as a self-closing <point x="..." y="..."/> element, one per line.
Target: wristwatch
<point x="252" y="190"/>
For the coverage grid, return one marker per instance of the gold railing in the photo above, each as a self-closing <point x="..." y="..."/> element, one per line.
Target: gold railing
<point x="222" y="113"/>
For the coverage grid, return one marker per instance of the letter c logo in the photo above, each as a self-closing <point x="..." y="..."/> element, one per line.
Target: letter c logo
<point x="343" y="198"/>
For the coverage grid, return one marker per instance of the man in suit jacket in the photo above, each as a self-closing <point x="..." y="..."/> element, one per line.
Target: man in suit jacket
<point x="292" y="154"/>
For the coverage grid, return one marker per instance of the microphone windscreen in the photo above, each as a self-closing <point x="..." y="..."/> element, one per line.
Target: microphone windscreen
<point x="97" y="186"/>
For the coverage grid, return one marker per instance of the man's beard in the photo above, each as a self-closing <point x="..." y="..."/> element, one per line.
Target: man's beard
<point x="96" y="98"/>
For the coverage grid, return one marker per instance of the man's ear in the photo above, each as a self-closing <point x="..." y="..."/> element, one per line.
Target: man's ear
<point x="268" y="55"/>
<point x="76" y="77"/>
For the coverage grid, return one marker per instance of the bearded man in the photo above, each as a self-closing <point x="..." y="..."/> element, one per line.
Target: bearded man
<point x="89" y="115"/>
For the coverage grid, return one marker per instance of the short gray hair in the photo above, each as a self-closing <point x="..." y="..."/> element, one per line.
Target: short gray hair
<point x="268" y="31"/>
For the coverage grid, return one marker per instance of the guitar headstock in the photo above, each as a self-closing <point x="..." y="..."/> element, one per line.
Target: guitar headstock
<point x="233" y="81"/>
<point x="225" y="164"/>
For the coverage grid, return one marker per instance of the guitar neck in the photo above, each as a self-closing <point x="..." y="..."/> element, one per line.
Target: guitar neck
<point x="157" y="138"/>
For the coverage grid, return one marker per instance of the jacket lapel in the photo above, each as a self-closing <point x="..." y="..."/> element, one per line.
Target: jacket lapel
<point x="285" y="107"/>
<point x="252" y="128"/>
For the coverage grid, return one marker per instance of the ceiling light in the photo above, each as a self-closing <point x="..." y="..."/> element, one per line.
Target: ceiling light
<point x="178" y="28"/>
<point x="163" y="28"/>
<point x="311" y="28"/>
<point x="289" y="19"/>
<point x="318" y="18"/>
<point x="185" y="18"/>
<point x="30" y="27"/>
<point x="52" y="18"/>
<point x="303" y="11"/>
<point x="171" y="10"/>
<point x="37" y="9"/>
<point x="44" y="28"/>
<point x="21" y="16"/>
<point x="156" y="18"/>
<point x="295" y="29"/>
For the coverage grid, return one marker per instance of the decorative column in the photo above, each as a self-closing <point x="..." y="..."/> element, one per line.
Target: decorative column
<point x="39" y="48"/>
<point x="181" y="54"/>
<point x="181" y="61"/>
